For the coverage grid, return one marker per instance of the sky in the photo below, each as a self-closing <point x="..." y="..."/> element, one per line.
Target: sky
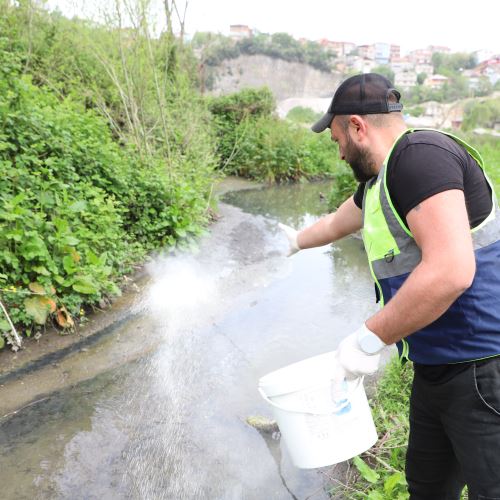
<point x="461" y="26"/>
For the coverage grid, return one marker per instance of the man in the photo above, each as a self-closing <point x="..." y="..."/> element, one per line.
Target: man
<point x="431" y="230"/>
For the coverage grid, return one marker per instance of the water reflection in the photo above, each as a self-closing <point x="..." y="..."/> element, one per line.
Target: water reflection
<point x="294" y="204"/>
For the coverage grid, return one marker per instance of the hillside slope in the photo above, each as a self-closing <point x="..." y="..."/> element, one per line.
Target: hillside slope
<point x="285" y="79"/>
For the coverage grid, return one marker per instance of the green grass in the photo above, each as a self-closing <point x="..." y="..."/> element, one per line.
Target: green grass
<point x="379" y="473"/>
<point x="489" y="147"/>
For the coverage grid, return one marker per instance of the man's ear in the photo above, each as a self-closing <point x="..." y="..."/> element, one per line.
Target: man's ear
<point x="358" y="127"/>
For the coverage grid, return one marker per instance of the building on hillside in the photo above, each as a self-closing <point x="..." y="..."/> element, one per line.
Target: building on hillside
<point x="400" y="64"/>
<point x="435" y="81"/>
<point x="336" y="47"/>
<point x="474" y="81"/>
<point x="325" y="43"/>
<point x="366" y="51"/>
<point x="395" y="52"/>
<point x="490" y="69"/>
<point x="340" y="49"/>
<point x="483" y="55"/>
<point x="361" y="64"/>
<point x="382" y="53"/>
<point x="405" y="80"/>
<point x="420" y="56"/>
<point x="239" y="31"/>
<point x="428" y="69"/>
<point x="439" y="48"/>
<point x="349" y="47"/>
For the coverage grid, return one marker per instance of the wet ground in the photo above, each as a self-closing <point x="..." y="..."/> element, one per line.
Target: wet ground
<point x="155" y="407"/>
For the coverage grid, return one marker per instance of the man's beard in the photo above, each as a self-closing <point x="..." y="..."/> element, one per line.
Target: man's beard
<point x="359" y="160"/>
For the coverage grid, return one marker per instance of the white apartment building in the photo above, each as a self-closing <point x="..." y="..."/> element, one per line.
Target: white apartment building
<point x="428" y="69"/>
<point x="405" y="79"/>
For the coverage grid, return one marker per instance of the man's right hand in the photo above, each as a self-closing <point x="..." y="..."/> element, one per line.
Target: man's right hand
<point x="359" y="353"/>
<point x="291" y="234"/>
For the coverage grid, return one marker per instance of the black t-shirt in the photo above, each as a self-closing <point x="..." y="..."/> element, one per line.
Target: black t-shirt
<point x="425" y="163"/>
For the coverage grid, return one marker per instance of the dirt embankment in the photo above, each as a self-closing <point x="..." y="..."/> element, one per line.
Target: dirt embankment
<point x="285" y="79"/>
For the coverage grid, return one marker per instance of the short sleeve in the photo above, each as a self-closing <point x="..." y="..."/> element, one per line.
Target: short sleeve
<point x="420" y="171"/>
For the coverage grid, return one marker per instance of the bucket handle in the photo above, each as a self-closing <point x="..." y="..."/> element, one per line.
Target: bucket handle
<point x="307" y="412"/>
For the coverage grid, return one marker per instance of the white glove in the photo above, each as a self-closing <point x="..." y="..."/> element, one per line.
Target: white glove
<point x="359" y="353"/>
<point x="291" y="234"/>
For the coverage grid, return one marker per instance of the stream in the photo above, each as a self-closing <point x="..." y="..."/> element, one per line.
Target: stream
<point x="170" y="423"/>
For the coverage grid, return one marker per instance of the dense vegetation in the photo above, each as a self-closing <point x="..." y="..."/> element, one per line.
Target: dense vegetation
<point x="109" y="152"/>
<point x="306" y="116"/>
<point x="215" y="48"/>
<point x="484" y="113"/>
<point x="253" y="143"/>
<point x="105" y="156"/>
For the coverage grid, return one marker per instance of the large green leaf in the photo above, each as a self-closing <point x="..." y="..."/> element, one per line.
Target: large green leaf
<point x="365" y="470"/>
<point x="376" y="495"/>
<point x="85" y="285"/>
<point x="37" y="288"/>
<point x="69" y="264"/>
<point x="33" y="247"/>
<point x="70" y="240"/>
<point x="396" y="479"/>
<point x="78" y="206"/>
<point x="41" y="270"/>
<point x="37" y="308"/>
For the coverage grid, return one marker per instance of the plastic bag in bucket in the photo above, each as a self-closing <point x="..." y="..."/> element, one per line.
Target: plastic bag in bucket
<point x="317" y="429"/>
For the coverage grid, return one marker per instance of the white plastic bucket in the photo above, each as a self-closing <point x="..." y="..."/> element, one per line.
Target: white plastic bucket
<point x="315" y="435"/>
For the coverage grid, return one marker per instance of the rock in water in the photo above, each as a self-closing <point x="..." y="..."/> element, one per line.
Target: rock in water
<point x="263" y="424"/>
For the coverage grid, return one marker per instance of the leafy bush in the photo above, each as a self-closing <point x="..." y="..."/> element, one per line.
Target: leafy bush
<point x="415" y="110"/>
<point x="75" y="209"/>
<point x="487" y="145"/>
<point x="300" y="114"/>
<point x="253" y="143"/>
<point x="217" y="48"/>
<point x="484" y="113"/>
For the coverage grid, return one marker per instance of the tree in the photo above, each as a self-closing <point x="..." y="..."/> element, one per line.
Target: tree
<point x="447" y="64"/>
<point x="481" y="113"/>
<point x="421" y="78"/>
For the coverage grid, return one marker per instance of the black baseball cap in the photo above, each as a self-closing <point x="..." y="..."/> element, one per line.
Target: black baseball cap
<point x="364" y="94"/>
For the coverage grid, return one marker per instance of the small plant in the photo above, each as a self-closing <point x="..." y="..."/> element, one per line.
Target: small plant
<point x="379" y="473"/>
<point x="299" y="114"/>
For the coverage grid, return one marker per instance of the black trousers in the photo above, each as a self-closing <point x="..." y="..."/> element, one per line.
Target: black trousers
<point x="455" y="434"/>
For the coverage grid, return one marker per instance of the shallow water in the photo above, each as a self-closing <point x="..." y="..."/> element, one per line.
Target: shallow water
<point x="171" y="424"/>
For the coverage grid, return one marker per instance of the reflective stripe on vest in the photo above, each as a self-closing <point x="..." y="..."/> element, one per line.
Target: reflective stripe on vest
<point x="470" y="328"/>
